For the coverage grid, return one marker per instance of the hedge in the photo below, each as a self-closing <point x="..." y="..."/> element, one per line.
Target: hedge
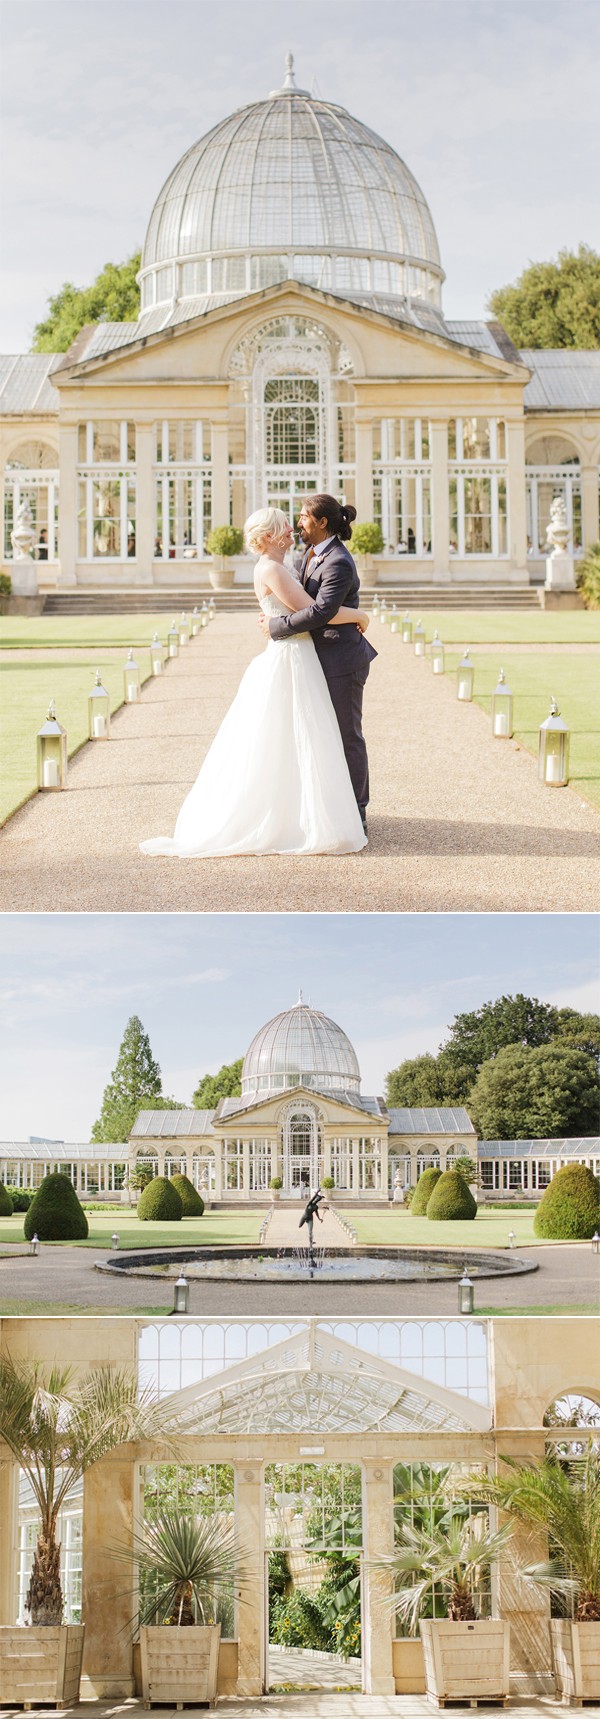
<point x="423" y="1192"/>
<point x="160" y="1201"/>
<point x="6" y="1205"/>
<point x="451" y="1199"/>
<point x="570" y="1208"/>
<point x="192" y="1202"/>
<point x="56" y="1214"/>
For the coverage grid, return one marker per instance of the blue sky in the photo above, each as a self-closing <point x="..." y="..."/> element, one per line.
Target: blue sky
<point x="204" y="983"/>
<point x="492" y="103"/>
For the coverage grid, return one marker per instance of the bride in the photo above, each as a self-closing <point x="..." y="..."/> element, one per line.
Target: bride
<point x="275" y="780"/>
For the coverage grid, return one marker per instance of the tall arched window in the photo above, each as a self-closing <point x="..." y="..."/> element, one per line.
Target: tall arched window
<point x="31" y="476"/>
<point x="552" y="469"/>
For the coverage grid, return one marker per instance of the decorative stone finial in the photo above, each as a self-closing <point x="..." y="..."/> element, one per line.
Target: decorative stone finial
<point x="289" y="82"/>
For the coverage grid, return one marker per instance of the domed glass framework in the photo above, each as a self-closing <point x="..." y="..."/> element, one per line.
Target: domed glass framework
<point x="290" y="188"/>
<point x="300" y="1048"/>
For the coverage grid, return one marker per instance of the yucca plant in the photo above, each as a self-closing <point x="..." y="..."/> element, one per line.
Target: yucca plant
<point x="56" y="1427"/>
<point x="186" y="1565"/>
<point x="562" y="1498"/>
<point x="444" y="1560"/>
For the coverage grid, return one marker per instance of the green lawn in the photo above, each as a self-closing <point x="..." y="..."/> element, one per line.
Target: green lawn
<point x="26" y="692"/>
<point x="214" y="1227"/>
<point x="572" y="680"/>
<point x="488" y="1229"/>
<point x="82" y="632"/>
<point x="504" y="626"/>
<point x="64" y="1309"/>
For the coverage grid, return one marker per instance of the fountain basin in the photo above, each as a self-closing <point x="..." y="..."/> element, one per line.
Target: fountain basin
<point x="333" y="1265"/>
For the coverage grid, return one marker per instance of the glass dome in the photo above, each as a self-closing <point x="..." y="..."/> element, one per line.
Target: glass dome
<point x="300" y="1048"/>
<point x="291" y="187"/>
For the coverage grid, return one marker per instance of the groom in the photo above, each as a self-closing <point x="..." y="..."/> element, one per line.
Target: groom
<point x="329" y="576"/>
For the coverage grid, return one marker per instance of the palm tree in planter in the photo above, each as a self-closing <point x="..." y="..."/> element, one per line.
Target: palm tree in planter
<point x="56" y="1427"/>
<point x="438" y="1570"/>
<point x="561" y="1497"/>
<point x="188" y="1569"/>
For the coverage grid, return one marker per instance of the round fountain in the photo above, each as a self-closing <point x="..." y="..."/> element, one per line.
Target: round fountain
<point x="328" y="1265"/>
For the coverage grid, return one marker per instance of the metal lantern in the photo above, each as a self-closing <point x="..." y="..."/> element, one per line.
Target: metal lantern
<point x="419" y="639"/>
<point x="157" y="655"/>
<point x="181" y="1297"/>
<point x="465" y="675"/>
<point x="407" y="630"/>
<point x="34" y="1246"/>
<point x="595" y="1242"/>
<point x="511" y="1238"/>
<point x="131" y="678"/>
<point x="52" y="752"/>
<point x="437" y="654"/>
<point x="115" y="1240"/>
<point x="98" y="711"/>
<point x="212" y="609"/>
<point x="466" y="1294"/>
<point x="195" y="623"/>
<point x="184" y="630"/>
<point x="553" y="755"/>
<point x="394" y="622"/>
<point x="502" y="709"/>
<point x="204" y="615"/>
<point x="383" y="612"/>
<point x="375" y="609"/>
<point x="173" y="640"/>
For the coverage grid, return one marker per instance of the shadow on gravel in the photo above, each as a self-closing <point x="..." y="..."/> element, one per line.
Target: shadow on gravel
<point x="430" y="837"/>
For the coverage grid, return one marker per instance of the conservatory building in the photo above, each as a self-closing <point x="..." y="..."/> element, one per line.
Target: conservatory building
<point x="291" y="339"/>
<point x="301" y="1117"/>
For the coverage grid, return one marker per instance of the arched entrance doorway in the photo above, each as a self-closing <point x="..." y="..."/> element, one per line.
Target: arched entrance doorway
<point x="301" y="1153"/>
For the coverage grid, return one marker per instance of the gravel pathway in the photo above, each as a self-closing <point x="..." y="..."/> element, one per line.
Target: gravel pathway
<point x="458" y="822"/>
<point x="284" y="1229"/>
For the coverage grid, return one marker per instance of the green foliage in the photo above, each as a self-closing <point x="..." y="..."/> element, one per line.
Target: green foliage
<point x="422" y="1193"/>
<point x="467" y="1168"/>
<point x="424" y="1080"/>
<point x="212" y="1087"/>
<point x="276" y="1182"/>
<point x="555" y="304"/>
<point x="192" y="1202"/>
<point x="5" y="584"/>
<point x="296" y="1621"/>
<point x="327" y="1182"/>
<point x="588" y="576"/>
<point x="135" y="1085"/>
<point x="6" y="1205"/>
<point x="544" y="1093"/>
<point x="563" y="1500"/>
<point x="56" y="1214"/>
<point x="569" y="1210"/>
<point x="140" y="1176"/>
<point x="113" y="297"/>
<point x="225" y="540"/>
<point x="451" y="1199"/>
<point x="185" y="1565"/>
<point x="366" y="539"/>
<point x="453" y="1556"/>
<point x="477" y="1035"/>
<point x="21" y="1198"/>
<point x="160" y="1202"/>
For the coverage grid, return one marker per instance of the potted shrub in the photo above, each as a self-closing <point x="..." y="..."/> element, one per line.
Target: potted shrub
<point x="56" y="1429"/>
<point x="466" y="1657"/>
<point x="187" y="1567"/>
<point x="275" y="1187"/>
<point x="562" y="1498"/>
<point x="328" y="1185"/>
<point x="366" y="541"/>
<point x="222" y="543"/>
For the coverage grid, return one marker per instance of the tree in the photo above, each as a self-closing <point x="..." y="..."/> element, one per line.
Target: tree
<point x="113" y="297"/>
<point x="553" y="304"/>
<point x="580" y="1030"/>
<point x="534" y="1094"/>
<point x="212" y="1087"/>
<point x="424" y="1080"/>
<point x="475" y="1036"/>
<point x="564" y="1501"/>
<point x="135" y="1085"/>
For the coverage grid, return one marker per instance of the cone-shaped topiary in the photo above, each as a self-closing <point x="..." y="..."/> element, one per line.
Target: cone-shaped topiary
<point x="570" y="1208"/>
<point x="160" y="1202"/>
<point x="451" y="1198"/>
<point x="192" y="1202"/>
<point x="6" y="1205"/>
<point x="55" y="1214"/>
<point x="423" y="1192"/>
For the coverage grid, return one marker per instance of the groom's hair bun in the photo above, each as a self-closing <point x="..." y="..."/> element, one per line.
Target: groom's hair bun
<point x="339" y="515"/>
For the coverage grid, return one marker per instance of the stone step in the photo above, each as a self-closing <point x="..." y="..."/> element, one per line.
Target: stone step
<point x="412" y="597"/>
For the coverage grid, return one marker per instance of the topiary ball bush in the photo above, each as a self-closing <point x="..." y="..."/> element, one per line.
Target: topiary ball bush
<point x="422" y="1193"/>
<point x="160" y="1202"/>
<point x="451" y="1199"/>
<point x="56" y="1214"/>
<point x="6" y="1205"/>
<point x="192" y="1202"/>
<point x="570" y="1208"/>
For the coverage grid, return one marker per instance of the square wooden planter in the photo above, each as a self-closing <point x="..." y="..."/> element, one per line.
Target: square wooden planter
<point x="576" y="1660"/>
<point x="466" y="1661"/>
<point x="41" y="1663"/>
<point x="408" y="1666"/>
<point x="180" y="1665"/>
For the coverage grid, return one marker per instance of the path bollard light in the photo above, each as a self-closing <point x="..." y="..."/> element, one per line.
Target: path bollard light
<point x="502" y="709"/>
<point x="157" y="655"/>
<point x="173" y="640"/>
<point x="419" y="639"/>
<point x="181" y="1298"/>
<point x="52" y="752"/>
<point x="184" y="630"/>
<point x="115" y="1240"/>
<point x="204" y="615"/>
<point x="553" y="755"/>
<point x="131" y="679"/>
<point x="466" y="1294"/>
<point x="437" y="654"/>
<point x="407" y="630"/>
<point x="511" y="1238"/>
<point x="595" y="1242"/>
<point x="34" y="1246"/>
<point x="464" y="678"/>
<point x="98" y="711"/>
<point x="195" y="623"/>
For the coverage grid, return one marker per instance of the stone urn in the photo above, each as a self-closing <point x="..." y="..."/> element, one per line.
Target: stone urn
<point x="24" y="569"/>
<point x="560" y="566"/>
<point x="221" y="573"/>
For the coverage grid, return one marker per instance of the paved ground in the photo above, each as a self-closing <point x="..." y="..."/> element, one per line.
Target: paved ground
<point x="284" y="1230"/>
<point x="566" y="1276"/>
<point x="313" y="1670"/>
<point x="458" y="822"/>
<point x="308" y="1705"/>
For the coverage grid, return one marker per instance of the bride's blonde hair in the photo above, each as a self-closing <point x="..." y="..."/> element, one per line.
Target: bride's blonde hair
<point x="266" y="522"/>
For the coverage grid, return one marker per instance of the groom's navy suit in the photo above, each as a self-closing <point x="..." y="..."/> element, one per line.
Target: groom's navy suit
<point x="344" y="653"/>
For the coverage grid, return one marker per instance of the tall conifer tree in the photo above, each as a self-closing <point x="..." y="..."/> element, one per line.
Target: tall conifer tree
<point x="135" y="1085"/>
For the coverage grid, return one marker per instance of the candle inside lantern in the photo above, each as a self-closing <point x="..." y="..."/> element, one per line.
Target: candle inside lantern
<point x="553" y="768"/>
<point x="437" y="665"/>
<point x="501" y="722"/>
<point x="50" y="774"/>
<point x="99" y="727"/>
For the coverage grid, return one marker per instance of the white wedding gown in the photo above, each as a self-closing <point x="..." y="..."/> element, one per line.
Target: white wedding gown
<point x="275" y="780"/>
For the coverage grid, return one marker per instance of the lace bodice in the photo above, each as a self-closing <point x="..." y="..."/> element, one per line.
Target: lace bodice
<point x="271" y="605"/>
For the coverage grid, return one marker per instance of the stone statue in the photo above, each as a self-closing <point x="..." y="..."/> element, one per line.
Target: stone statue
<point x="560" y="567"/>
<point x="24" y="570"/>
<point x="398" y="1188"/>
<point x="557" y="531"/>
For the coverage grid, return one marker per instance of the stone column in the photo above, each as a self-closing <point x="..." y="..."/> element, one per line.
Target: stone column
<point x="219" y="1149"/>
<point x="364" y="470"/>
<point x="356" y="1166"/>
<point x="525" y="1607"/>
<point x="326" y="1155"/>
<point x="246" y="1169"/>
<point x="9" y="1505"/>
<point x="590" y="525"/>
<point x="378" y="1539"/>
<point x="145" y="516"/>
<point x="440" y="502"/>
<point x="67" y="519"/>
<point x="108" y="1588"/>
<point x="516" y="495"/>
<point x="249" y="1519"/>
<point x="219" y="443"/>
